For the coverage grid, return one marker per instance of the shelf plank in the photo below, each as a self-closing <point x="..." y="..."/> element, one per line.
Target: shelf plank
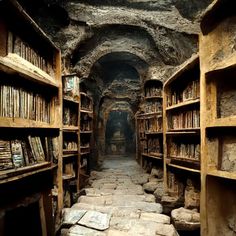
<point x="222" y="174"/>
<point x="15" y="65"/>
<point x="154" y="133"/>
<point x="184" y="168"/>
<point x="73" y="151"/>
<point x="70" y="128"/>
<point x="69" y="155"/>
<point x="183" y="133"/>
<point x="24" y="123"/>
<point x="183" y="130"/>
<point x="149" y="114"/>
<point x="158" y="156"/>
<point x="183" y="104"/>
<point x="69" y="99"/>
<point x="222" y="122"/>
<point x="86" y="132"/>
<point x="86" y="111"/>
<point x="153" y="97"/>
<point x="19" y="173"/>
<point x="184" y="159"/>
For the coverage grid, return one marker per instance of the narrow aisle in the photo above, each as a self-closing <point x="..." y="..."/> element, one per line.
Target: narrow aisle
<point x="115" y="204"/>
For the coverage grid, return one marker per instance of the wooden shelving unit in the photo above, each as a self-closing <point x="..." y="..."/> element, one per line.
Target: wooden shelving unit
<point x="181" y="128"/>
<point x="218" y="119"/>
<point x="149" y="124"/>
<point x="71" y="137"/>
<point x="30" y="117"/>
<point x="86" y="132"/>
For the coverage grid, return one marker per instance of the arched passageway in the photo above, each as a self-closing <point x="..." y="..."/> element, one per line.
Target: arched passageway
<point x="119" y="134"/>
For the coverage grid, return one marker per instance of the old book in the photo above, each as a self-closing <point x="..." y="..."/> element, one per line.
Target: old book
<point x="45" y="146"/>
<point x="41" y="155"/>
<point x="17" y="153"/>
<point x="10" y="42"/>
<point x="27" y="157"/>
<point x="17" y="45"/>
<point x="32" y="147"/>
<point x="55" y="149"/>
<point x="5" y="155"/>
<point x="68" y="86"/>
<point x="66" y="116"/>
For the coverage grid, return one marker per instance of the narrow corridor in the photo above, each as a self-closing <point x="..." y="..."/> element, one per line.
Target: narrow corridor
<point x="115" y="204"/>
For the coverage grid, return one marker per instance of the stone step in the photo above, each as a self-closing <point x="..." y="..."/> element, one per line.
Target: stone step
<point x="78" y="230"/>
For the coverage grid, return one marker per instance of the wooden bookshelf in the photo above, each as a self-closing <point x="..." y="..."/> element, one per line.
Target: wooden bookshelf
<point x="181" y="129"/>
<point x="30" y="114"/>
<point x="149" y="124"/>
<point x="218" y="118"/>
<point x="86" y="133"/>
<point x="71" y="136"/>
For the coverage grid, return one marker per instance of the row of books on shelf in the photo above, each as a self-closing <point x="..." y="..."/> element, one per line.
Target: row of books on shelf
<point x="142" y="135"/>
<point x="150" y="125"/>
<point x="86" y="126"/>
<point x="70" y="116"/>
<point x="71" y="87"/>
<point x="154" y="145"/>
<point x="20" y="103"/>
<point x="18" y="46"/>
<point x="183" y="150"/>
<point x="153" y="91"/>
<point x="183" y="120"/>
<point x="190" y="92"/>
<point x="143" y="146"/>
<point x="70" y="145"/>
<point x="153" y="125"/>
<point x="86" y="103"/>
<point x="28" y="151"/>
<point x="153" y="107"/>
<point x="175" y="187"/>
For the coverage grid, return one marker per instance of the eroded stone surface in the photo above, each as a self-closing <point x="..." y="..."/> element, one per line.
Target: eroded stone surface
<point x="150" y="187"/>
<point x="167" y="230"/>
<point x="185" y="219"/>
<point x="78" y="230"/>
<point x="159" y="192"/>
<point x="158" y="218"/>
<point x="131" y="211"/>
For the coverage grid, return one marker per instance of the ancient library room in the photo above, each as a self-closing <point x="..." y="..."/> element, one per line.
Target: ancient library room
<point x="117" y="118"/>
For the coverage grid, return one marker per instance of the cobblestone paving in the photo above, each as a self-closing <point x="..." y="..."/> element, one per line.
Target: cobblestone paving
<point x="116" y="205"/>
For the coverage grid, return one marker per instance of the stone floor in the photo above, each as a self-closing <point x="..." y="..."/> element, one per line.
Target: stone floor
<point x="116" y="205"/>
